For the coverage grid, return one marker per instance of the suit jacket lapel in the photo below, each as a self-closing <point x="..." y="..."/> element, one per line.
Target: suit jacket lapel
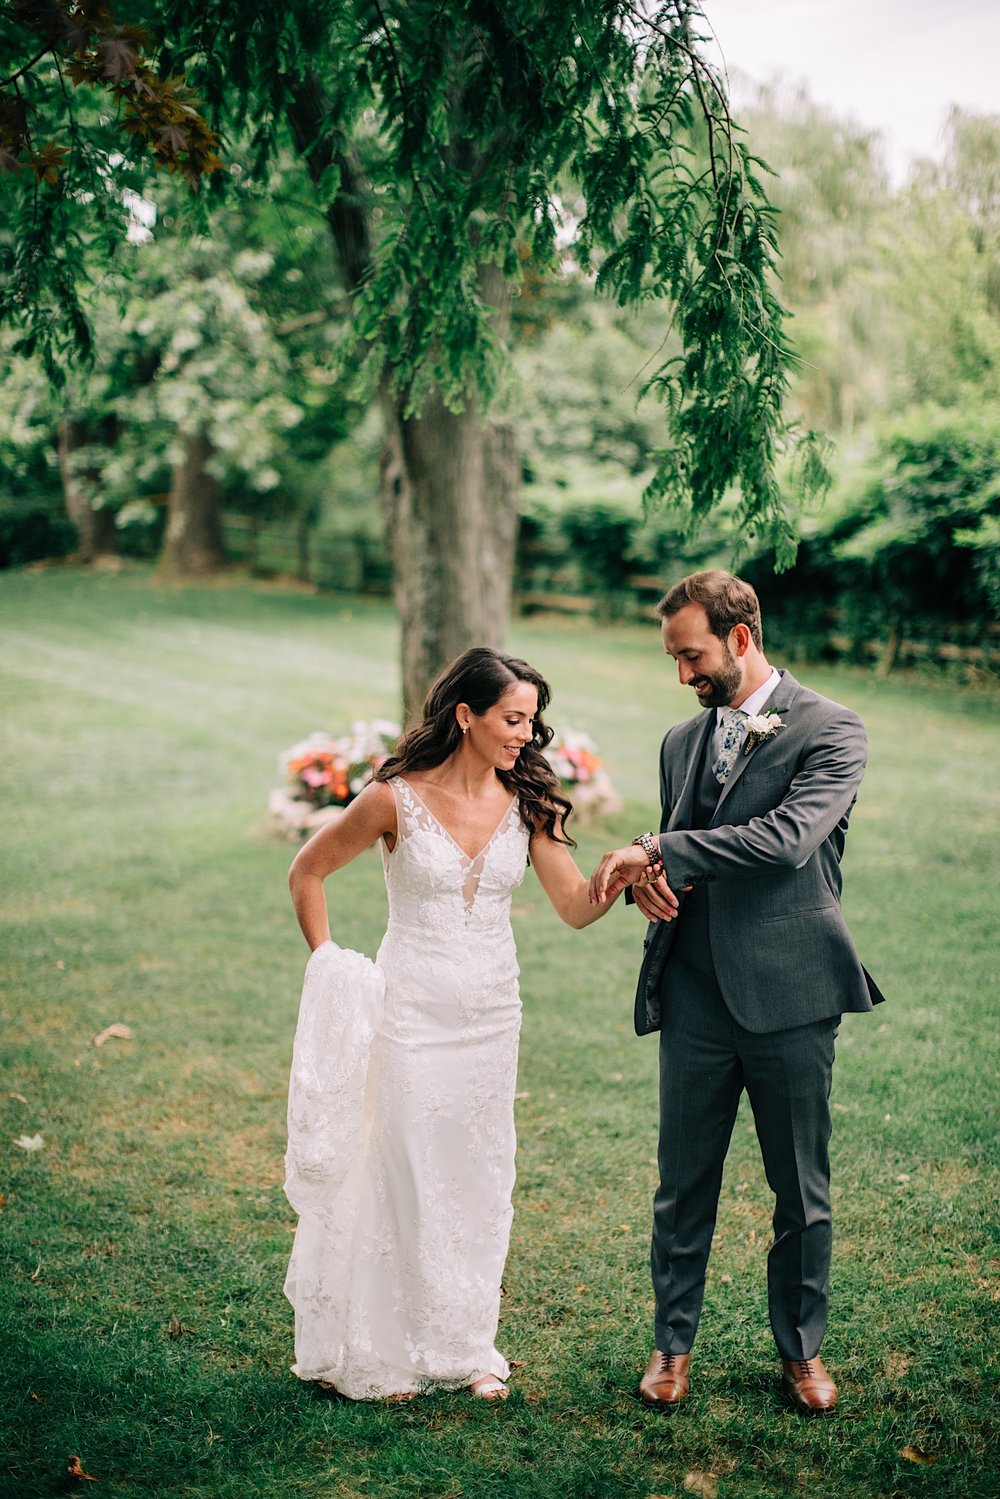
<point x="779" y="702"/>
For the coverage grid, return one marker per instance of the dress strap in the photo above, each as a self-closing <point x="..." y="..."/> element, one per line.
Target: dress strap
<point x="407" y="808"/>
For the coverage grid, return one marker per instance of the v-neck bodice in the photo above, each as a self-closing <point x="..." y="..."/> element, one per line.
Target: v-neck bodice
<point x="471" y="859"/>
<point x="431" y="879"/>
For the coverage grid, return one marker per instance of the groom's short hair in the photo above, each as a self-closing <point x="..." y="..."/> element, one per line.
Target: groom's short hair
<point x="727" y="601"/>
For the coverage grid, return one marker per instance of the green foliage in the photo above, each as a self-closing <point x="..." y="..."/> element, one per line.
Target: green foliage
<point x="214" y="331"/>
<point x="442" y="133"/>
<point x="925" y="532"/>
<point x="31" y="533"/>
<point x="911" y="553"/>
<point x="838" y="221"/>
<point x="79" y="103"/>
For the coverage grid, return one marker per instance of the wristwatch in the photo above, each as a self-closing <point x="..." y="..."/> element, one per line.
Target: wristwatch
<point x="650" y="847"/>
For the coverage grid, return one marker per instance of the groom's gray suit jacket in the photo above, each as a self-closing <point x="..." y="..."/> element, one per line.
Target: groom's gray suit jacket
<point x="770" y="864"/>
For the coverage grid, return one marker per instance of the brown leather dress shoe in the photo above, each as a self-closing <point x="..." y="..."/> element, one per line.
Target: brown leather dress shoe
<point x="666" y="1380"/>
<point x="809" y="1385"/>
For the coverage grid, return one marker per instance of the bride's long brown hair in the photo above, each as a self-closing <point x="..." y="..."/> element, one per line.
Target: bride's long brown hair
<point x="480" y="677"/>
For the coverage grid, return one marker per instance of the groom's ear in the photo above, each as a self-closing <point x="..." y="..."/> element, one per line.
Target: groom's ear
<point x="743" y="639"/>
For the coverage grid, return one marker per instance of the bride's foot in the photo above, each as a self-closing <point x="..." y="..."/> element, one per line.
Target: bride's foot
<point x="489" y="1388"/>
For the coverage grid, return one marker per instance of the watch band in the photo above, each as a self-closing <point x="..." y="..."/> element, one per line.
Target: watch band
<point x="650" y="847"/>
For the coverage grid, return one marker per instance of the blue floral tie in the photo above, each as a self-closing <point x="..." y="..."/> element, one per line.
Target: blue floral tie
<point x="732" y="736"/>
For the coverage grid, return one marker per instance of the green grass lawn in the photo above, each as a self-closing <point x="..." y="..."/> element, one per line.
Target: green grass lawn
<point x="143" y="1248"/>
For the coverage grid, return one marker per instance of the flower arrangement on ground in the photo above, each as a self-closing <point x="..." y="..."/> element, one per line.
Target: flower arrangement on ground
<point x="323" y="773"/>
<point x="574" y="758"/>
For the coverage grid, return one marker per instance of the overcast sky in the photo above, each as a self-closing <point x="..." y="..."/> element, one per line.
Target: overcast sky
<point x="893" y="65"/>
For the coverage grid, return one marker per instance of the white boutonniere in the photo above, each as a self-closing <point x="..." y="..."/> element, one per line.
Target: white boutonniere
<point x="761" y="726"/>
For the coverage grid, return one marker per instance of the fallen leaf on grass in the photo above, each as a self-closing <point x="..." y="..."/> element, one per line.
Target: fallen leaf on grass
<point x="17" y="1097"/>
<point x="36" y="1277"/>
<point x="74" y="1469"/>
<point x="119" y="1031"/>
<point x="35" y="1398"/>
<point x="702" y="1484"/>
<point x="917" y="1455"/>
<point x="30" y="1142"/>
<point x="3" y="1201"/>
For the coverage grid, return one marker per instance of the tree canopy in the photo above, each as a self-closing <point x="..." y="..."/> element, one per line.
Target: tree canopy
<point x="443" y="137"/>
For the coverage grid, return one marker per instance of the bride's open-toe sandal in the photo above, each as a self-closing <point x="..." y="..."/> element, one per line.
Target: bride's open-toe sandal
<point x="489" y="1388"/>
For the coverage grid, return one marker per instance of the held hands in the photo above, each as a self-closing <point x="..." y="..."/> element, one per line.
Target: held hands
<point x="630" y="866"/>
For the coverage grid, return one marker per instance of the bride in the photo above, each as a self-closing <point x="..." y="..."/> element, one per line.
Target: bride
<point x="401" y="1127"/>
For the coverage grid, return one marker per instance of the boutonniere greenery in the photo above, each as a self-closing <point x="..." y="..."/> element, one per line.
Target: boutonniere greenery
<point x="761" y="726"/>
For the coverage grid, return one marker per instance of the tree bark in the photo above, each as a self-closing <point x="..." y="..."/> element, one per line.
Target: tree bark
<point x="449" y="486"/>
<point x="193" y="544"/>
<point x="95" y="524"/>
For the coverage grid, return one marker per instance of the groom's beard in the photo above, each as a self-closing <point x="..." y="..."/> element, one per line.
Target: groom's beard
<point x="722" y="684"/>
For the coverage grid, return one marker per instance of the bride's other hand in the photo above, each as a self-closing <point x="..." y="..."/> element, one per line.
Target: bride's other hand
<point x="619" y="868"/>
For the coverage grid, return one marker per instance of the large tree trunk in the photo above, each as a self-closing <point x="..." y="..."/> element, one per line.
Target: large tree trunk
<point x="95" y="524"/>
<point x="450" y="499"/>
<point x="450" y="493"/>
<point x="193" y="543"/>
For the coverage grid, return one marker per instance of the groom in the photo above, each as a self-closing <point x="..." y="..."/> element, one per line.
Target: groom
<point x="746" y="973"/>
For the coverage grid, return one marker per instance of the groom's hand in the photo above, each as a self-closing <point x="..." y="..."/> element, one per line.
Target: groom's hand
<point x="656" y="900"/>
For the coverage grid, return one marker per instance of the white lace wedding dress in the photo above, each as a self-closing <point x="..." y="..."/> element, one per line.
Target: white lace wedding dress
<point x="401" y="1123"/>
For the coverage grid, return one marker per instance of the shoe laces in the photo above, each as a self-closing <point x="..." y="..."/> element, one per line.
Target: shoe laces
<point x="803" y="1368"/>
<point x="667" y="1361"/>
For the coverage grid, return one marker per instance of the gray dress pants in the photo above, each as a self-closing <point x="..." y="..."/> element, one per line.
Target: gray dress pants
<point x="706" y="1060"/>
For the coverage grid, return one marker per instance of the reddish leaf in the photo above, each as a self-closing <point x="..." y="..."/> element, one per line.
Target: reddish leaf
<point x="74" y="1469"/>
<point x="173" y="140"/>
<point x="118" y="59"/>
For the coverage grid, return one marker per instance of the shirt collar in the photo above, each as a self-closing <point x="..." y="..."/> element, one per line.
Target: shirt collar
<point x="756" y="700"/>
